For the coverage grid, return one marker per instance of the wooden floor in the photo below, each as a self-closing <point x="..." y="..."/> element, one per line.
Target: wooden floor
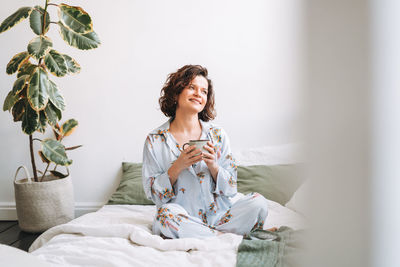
<point x="12" y="235"/>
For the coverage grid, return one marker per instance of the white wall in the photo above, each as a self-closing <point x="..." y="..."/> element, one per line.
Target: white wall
<point x="251" y="49"/>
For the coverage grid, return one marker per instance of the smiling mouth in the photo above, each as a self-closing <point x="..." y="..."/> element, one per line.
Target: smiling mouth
<point x="195" y="101"/>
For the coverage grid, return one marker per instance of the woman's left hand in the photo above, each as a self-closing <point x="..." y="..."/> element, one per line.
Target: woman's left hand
<point x="210" y="158"/>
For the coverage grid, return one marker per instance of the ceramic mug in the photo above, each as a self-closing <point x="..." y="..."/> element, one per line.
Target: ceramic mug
<point x="198" y="143"/>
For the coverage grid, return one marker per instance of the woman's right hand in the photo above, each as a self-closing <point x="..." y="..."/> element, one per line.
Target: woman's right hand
<point x="187" y="157"/>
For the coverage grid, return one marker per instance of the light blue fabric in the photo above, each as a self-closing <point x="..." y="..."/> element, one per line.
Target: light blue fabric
<point x="245" y="215"/>
<point x="195" y="192"/>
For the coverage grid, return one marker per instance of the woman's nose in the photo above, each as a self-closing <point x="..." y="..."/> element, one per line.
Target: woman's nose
<point x="198" y="92"/>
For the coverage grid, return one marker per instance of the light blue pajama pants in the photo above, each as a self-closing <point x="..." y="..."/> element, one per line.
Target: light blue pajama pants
<point x="246" y="214"/>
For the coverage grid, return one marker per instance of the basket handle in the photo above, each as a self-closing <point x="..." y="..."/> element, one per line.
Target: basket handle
<point x="26" y="172"/>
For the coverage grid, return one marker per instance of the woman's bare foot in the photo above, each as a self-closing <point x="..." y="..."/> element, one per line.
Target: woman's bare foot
<point x="219" y="233"/>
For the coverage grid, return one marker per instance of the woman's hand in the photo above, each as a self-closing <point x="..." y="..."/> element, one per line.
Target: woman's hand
<point x="210" y="158"/>
<point x="187" y="157"/>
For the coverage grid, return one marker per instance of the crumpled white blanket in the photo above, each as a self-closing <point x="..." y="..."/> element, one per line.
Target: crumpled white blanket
<point x="120" y="235"/>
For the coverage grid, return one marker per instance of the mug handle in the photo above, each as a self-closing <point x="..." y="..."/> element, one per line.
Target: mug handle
<point x="183" y="147"/>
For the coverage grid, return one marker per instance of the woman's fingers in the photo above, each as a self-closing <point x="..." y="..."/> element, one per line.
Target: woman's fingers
<point x="196" y="159"/>
<point x="189" y="149"/>
<point x="208" y="157"/>
<point x="194" y="152"/>
<point x="209" y="149"/>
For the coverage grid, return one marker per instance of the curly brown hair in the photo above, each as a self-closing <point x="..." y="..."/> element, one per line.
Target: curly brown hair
<point x="175" y="84"/>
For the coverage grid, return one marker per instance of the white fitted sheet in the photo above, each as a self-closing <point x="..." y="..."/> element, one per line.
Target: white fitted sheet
<point x="120" y="235"/>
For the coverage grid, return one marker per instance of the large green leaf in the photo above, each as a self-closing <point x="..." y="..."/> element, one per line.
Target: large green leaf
<point x="58" y="112"/>
<point x="30" y="120"/>
<point x="75" y="18"/>
<point x="52" y="113"/>
<point x="85" y="41"/>
<point x="42" y="121"/>
<point x="22" y="94"/>
<point x="69" y="126"/>
<point x="36" y="20"/>
<point x="39" y="46"/>
<point x="19" y="84"/>
<point x="38" y="89"/>
<point x="26" y="68"/>
<point x="59" y="174"/>
<point x="18" y="110"/>
<point x="10" y="101"/>
<point x="72" y="66"/>
<point x="16" y="62"/>
<point x="55" y="97"/>
<point x="56" y="64"/>
<point x="54" y="151"/>
<point x="44" y="160"/>
<point x="15" y="18"/>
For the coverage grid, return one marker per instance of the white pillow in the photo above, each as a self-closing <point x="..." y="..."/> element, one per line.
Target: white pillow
<point x="279" y="215"/>
<point x="11" y="256"/>
<point x="269" y="155"/>
<point x="299" y="200"/>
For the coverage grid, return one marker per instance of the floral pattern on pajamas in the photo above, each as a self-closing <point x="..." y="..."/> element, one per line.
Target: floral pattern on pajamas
<point x="226" y="218"/>
<point x="196" y="205"/>
<point x="203" y="216"/>
<point x="201" y="176"/>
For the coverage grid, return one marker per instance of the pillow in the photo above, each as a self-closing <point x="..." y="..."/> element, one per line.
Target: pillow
<point x="130" y="189"/>
<point x="299" y="200"/>
<point x="276" y="183"/>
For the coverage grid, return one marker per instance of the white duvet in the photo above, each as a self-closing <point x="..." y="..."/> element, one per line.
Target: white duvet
<point x="120" y="235"/>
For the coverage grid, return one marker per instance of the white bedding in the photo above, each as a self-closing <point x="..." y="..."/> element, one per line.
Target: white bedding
<point x="120" y="235"/>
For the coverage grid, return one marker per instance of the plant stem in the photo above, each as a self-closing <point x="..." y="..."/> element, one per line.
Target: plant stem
<point x="35" y="177"/>
<point x="44" y="16"/>
<point x="44" y="24"/>
<point x="48" y="164"/>
<point x="38" y="10"/>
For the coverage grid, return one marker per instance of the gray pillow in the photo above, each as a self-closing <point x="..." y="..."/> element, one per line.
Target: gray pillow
<point x="277" y="182"/>
<point x="130" y="190"/>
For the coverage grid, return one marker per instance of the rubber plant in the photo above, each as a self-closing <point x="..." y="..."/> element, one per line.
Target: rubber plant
<point x="34" y="99"/>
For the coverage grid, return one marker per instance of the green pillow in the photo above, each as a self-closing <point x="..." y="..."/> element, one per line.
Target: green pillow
<point x="130" y="189"/>
<point x="277" y="182"/>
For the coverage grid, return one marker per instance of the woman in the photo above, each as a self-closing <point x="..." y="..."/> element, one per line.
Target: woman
<point x="192" y="189"/>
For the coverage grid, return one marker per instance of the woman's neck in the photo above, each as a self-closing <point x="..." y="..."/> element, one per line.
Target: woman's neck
<point x="185" y="123"/>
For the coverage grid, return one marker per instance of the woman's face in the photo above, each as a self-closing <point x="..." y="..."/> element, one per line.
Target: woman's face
<point x="194" y="96"/>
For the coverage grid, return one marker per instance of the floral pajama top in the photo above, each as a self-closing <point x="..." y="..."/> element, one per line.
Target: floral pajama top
<point x="195" y="189"/>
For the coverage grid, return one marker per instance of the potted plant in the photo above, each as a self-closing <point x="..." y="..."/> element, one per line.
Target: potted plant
<point x="36" y="101"/>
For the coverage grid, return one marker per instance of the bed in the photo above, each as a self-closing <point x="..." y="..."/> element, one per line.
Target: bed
<point x="120" y="235"/>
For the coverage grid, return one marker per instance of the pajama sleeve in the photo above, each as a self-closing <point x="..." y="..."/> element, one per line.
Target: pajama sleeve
<point x="227" y="172"/>
<point x="156" y="183"/>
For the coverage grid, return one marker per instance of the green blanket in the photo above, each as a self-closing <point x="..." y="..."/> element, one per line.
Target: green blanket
<point x="271" y="249"/>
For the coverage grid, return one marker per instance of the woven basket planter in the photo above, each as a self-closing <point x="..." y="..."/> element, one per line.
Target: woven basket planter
<point x="42" y="205"/>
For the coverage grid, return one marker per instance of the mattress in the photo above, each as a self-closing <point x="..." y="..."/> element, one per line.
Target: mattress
<point x="120" y="235"/>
